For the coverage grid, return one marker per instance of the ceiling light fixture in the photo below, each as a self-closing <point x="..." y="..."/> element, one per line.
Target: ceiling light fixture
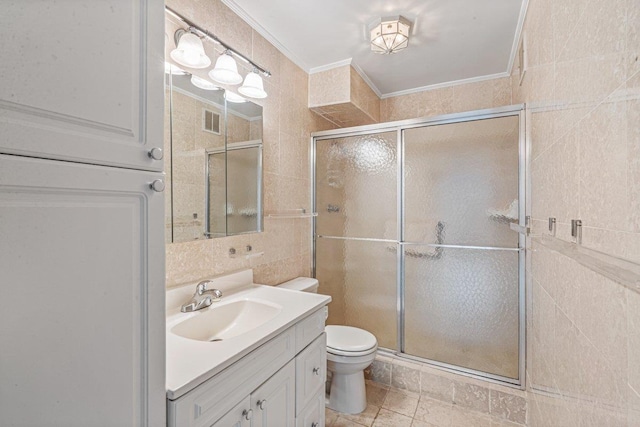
<point x="390" y="35"/>
<point x="202" y="83"/>
<point x="189" y="51"/>
<point x="253" y="86"/>
<point x="226" y="70"/>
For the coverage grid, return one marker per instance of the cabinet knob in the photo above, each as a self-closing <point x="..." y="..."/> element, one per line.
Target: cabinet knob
<point x="316" y="370"/>
<point x="157" y="185"/>
<point x="315" y="424"/>
<point x="262" y="404"/>
<point x="156" y="153"/>
<point x="247" y="414"/>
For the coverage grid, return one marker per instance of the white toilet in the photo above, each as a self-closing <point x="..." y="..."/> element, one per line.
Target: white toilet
<point x="349" y="351"/>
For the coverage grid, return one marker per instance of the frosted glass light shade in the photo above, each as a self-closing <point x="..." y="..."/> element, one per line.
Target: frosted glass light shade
<point x="190" y="52"/>
<point x="253" y="86"/>
<point x="391" y="35"/>
<point x="226" y="70"/>
<point x="233" y="97"/>
<point x="202" y="83"/>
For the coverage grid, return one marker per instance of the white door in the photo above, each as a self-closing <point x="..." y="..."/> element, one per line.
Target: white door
<point x="274" y="402"/>
<point x="81" y="295"/>
<point x="82" y="80"/>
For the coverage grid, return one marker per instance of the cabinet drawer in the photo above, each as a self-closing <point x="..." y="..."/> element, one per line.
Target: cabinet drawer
<point x="216" y="396"/>
<point x="311" y="370"/>
<point x="309" y="329"/>
<point x="313" y="414"/>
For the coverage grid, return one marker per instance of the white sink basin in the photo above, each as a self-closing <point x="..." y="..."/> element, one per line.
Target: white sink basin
<point x="218" y="323"/>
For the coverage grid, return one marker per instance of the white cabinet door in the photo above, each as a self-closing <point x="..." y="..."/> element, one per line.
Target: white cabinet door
<point x="239" y="416"/>
<point x="273" y="404"/>
<point x="81" y="295"/>
<point x="83" y="80"/>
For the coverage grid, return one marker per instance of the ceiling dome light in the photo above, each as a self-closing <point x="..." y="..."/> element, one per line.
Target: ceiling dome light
<point x="202" y="83"/>
<point x="174" y="70"/>
<point x="390" y="35"/>
<point x="190" y="51"/>
<point x="253" y="86"/>
<point x="233" y="97"/>
<point x="226" y="70"/>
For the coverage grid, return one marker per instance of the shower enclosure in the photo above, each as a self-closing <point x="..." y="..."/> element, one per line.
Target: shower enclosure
<point x="413" y="237"/>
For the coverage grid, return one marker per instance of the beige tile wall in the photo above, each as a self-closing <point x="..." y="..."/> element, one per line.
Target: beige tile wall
<point x="582" y="88"/>
<point x="287" y="126"/>
<point x="450" y="99"/>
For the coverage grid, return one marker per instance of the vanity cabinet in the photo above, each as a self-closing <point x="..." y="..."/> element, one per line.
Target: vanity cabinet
<point x="279" y="384"/>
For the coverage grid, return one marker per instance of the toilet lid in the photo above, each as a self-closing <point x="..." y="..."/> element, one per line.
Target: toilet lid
<point x="350" y="339"/>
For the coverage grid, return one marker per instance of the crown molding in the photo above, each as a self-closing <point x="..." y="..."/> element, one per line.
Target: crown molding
<point x="331" y="66"/>
<point x="445" y="84"/>
<point x="231" y="4"/>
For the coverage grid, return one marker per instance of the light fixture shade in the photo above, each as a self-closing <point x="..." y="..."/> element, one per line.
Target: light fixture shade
<point x="391" y="35"/>
<point x="253" y="86"/>
<point x="190" y="52"/>
<point x="226" y="70"/>
<point x="169" y="68"/>
<point x="202" y="83"/>
<point x="233" y="97"/>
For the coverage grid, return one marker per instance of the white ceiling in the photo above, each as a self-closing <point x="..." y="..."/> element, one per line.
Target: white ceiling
<point x="451" y="40"/>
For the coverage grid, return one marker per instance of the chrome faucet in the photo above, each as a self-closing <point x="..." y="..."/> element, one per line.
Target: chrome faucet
<point x="202" y="298"/>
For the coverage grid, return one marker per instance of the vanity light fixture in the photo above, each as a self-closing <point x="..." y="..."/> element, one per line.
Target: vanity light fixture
<point x="253" y="86"/>
<point x="202" y="83"/>
<point x="189" y="51"/>
<point x="226" y="70"/>
<point x="390" y="35"/>
<point x="233" y="97"/>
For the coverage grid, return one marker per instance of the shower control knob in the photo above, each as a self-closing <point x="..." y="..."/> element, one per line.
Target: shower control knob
<point x="157" y="185"/>
<point x="156" y="153"/>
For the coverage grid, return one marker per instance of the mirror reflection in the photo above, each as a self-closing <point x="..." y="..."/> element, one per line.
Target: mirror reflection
<point x="215" y="162"/>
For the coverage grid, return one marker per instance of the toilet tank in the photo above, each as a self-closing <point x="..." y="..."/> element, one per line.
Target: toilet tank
<point x="304" y="284"/>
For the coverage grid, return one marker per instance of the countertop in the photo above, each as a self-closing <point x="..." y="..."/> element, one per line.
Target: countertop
<point x="190" y="362"/>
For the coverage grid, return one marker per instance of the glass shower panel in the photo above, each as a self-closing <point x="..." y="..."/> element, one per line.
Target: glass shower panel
<point x="461" y="183"/>
<point x="461" y="307"/>
<point x="356" y="190"/>
<point x="461" y="190"/>
<point x="360" y="276"/>
<point x="217" y="194"/>
<point x="243" y="190"/>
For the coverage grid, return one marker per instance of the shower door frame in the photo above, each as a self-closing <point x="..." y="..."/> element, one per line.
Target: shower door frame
<point x="524" y="203"/>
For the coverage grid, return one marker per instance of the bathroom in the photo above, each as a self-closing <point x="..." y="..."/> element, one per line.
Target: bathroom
<point x="566" y="76"/>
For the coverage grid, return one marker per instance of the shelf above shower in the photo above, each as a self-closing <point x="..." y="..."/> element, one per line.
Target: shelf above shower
<point x="291" y="213"/>
<point x="622" y="271"/>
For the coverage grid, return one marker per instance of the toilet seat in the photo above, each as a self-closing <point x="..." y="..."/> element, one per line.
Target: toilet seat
<point x="349" y="341"/>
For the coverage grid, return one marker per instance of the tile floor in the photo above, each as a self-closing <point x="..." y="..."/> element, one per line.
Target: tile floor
<point x="390" y="407"/>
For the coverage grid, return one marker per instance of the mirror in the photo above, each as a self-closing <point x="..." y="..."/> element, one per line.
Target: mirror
<point x="214" y="163"/>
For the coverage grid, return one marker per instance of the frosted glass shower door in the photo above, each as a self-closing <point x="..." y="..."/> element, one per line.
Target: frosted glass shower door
<point x="356" y="231"/>
<point x="461" y="260"/>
